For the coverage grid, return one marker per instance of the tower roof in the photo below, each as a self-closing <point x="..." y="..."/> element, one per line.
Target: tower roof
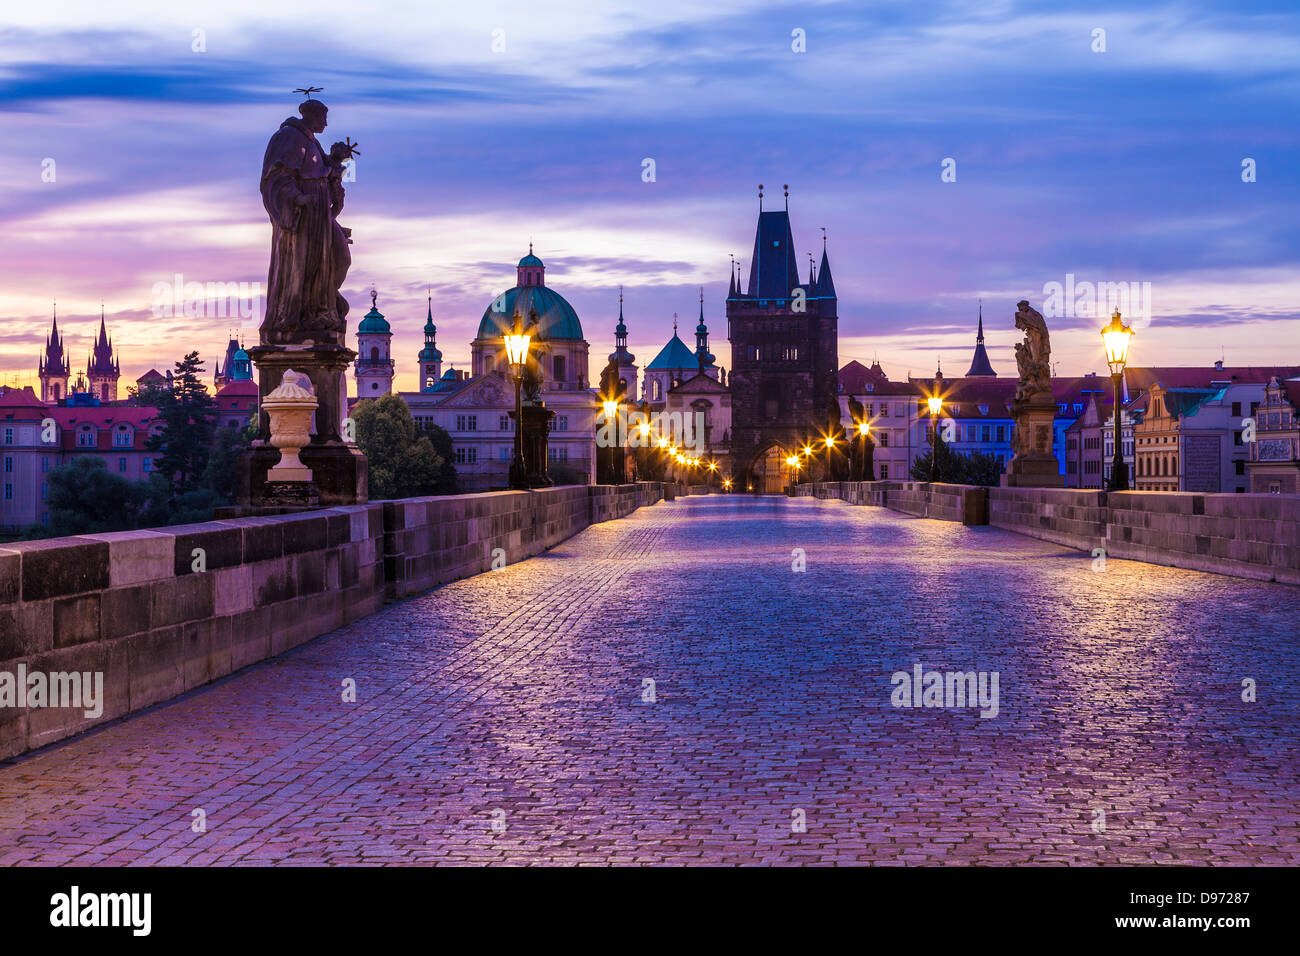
<point x="980" y="364"/>
<point x="675" y="355"/>
<point x="825" y="285"/>
<point x="374" y="322"/>
<point x="773" y="272"/>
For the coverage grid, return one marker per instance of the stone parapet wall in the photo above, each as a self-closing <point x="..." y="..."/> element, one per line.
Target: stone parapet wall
<point x="161" y="612"/>
<point x="1249" y="536"/>
<point x="158" y="613"/>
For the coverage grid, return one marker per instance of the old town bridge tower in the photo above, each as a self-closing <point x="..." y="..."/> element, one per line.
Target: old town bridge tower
<point x="783" y="353"/>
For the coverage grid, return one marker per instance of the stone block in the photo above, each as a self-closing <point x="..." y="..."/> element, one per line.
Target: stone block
<point x="58" y="567"/>
<point x="138" y="556"/>
<point x="221" y="543"/>
<point x="76" y="620"/>
<point x="181" y="599"/>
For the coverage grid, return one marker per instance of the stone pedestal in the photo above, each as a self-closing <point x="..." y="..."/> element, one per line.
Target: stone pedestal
<point x="537" y="426"/>
<point x="1034" y="465"/>
<point x="339" y="469"/>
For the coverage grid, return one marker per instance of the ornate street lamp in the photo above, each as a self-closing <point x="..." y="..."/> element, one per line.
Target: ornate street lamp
<point x="936" y="406"/>
<point x="610" y="408"/>
<point x="794" y="461"/>
<point x="864" y="436"/>
<point x="1116" y="337"/>
<point x="517" y="341"/>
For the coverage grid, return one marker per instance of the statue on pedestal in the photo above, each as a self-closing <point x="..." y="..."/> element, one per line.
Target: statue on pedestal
<point x="303" y="329"/>
<point x="1034" y="408"/>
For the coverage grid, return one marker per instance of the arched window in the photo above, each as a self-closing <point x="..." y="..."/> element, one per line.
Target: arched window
<point x="1173" y="465"/>
<point x="559" y="368"/>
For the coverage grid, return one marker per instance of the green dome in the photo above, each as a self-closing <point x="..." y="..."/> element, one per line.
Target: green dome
<point x="531" y="260"/>
<point x="555" y="317"/>
<point x="374" y="321"/>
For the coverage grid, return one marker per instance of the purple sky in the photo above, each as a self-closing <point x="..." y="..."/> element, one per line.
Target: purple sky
<point x="1115" y="166"/>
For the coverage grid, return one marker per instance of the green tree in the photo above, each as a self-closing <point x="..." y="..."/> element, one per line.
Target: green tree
<point x="403" y="462"/>
<point x="223" y="460"/>
<point x="185" y="442"/>
<point x="85" y="498"/>
<point x="976" y="468"/>
<point x="448" y="483"/>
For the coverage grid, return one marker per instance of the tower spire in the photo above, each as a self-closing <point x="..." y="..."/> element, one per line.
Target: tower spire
<point x="980" y="364"/>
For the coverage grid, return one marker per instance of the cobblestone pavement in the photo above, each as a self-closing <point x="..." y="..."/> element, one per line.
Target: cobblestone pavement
<point x="516" y="697"/>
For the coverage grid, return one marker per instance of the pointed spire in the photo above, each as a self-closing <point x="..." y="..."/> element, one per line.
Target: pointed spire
<point x="786" y="187"/>
<point x="701" y="305"/>
<point x="760" y="197"/>
<point x="731" y="275"/>
<point x="980" y="364"/>
<point x="825" y="284"/>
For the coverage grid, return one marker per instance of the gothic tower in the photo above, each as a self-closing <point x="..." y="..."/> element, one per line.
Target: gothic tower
<point x="784" y="354"/>
<point x="980" y="364"/>
<point x="54" y="369"/>
<point x="374" y="368"/>
<point x="103" y="370"/>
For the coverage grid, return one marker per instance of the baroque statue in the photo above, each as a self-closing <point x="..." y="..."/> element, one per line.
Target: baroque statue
<point x="302" y="190"/>
<point x="1033" y="463"/>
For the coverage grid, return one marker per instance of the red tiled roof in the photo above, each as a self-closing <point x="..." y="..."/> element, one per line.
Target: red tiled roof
<point x="1141" y="378"/>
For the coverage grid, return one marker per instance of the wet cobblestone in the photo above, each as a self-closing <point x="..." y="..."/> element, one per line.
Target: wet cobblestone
<point x="516" y="698"/>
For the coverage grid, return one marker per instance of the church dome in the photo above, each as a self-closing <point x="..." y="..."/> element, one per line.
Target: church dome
<point x="555" y="317"/>
<point x="531" y="260"/>
<point x="374" y="321"/>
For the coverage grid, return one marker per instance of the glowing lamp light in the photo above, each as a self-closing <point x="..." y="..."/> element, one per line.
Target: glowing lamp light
<point x="864" y="428"/>
<point x="517" y="347"/>
<point x="611" y="409"/>
<point x="644" y="428"/>
<point x="807" y="450"/>
<point x="936" y="404"/>
<point x="830" y="441"/>
<point x="1116" y="337"/>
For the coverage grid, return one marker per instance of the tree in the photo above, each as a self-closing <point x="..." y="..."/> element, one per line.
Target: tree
<point x="86" y="498"/>
<point x="186" y="439"/>
<point x="976" y="468"/>
<point x="227" y="445"/>
<point x="403" y="462"/>
<point x="448" y="483"/>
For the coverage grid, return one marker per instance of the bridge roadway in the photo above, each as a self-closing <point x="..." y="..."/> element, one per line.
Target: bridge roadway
<point x="516" y="697"/>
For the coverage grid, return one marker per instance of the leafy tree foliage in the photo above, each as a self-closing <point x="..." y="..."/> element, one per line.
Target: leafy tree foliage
<point x="403" y="462"/>
<point x="186" y="440"/>
<point x="85" y="498"/>
<point x="976" y="468"/>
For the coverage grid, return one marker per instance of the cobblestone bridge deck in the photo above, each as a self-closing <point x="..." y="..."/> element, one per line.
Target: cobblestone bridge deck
<point x="515" y="697"/>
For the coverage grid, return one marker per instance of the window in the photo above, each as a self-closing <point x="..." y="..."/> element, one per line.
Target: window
<point x="504" y="423"/>
<point x="466" y="423"/>
<point x="559" y="368"/>
<point x="86" y="437"/>
<point x="884" y="439"/>
<point x="1236" y="409"/>
<point x="45" y="492"/>
<point x="1236" y="438"/>
<point x="1078" y="408"/>
<point x="45" y="465"/>
<point x="148" y="465"/>
<point x="9" y="465"/>
<point x="1002" y="433"/>
<point x="45" y="517"/>
<point x="984" y="433"/>
<point x="557" y="453"/>
<point x="503" y="453"/>
<point x="561" y="423"/>
<point x="122" y="438"/>
<point x="884" y="469"/>
<point x="970" y="432"/>
<point x="9" y="436"/>
<point x="9" y="492"/>
<point x="466" y="456"/>
<point x="1241" y="466"/>
<point x="121" y="464"/>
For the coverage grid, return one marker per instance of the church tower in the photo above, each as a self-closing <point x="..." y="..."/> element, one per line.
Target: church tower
<point x="430" y="358"/>
<point x="103" y="369"/>
<point x="980" y="365"/>
<point x="784" y="350"/>
<point x="374" y="368"/>
<point x="625" y="359"/>
<point x="54" y="369"/>
<point x="702" y="353"/>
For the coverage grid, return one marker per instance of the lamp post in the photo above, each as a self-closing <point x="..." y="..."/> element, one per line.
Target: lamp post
<point x="610" y="408"/>
<point x="830" y="451"/>
<point x="1116" y="336"/>
<point x="517" y="355"/>
<point x="864" y="436"/>
<point x="936" y="406"/>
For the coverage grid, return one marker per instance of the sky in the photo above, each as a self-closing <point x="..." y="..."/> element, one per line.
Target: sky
<point x="952" y="152"/>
